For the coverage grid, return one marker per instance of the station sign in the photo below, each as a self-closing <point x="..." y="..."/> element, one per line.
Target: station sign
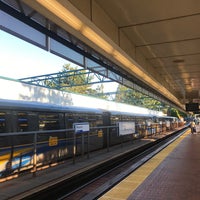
<point x="81" y="127"/>
<point x="126" y="128"/>
<point x="192" y="107"/>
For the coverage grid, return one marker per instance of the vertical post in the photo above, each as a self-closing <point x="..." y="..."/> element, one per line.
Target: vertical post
<point x="122" y="141"/>
<point x="108" y="141"/>
<point x="82" y="145"/>
<point x="20" y="162"/>
<point x="35" y="155"/>
<point x="88" y="143"/>
<point x="132" y="138"/>
<point x="66" y="144"/>
<point x="74" y="148"/>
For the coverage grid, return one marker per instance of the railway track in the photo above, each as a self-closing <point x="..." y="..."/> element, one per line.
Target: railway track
<point x="94" y="182"/>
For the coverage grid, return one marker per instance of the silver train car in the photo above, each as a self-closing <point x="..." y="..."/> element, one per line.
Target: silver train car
<point x="37" y="134"/>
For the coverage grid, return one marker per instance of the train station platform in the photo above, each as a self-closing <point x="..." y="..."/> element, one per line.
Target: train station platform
<point x="26" y="184"/>
<point x="173" y="174"/>
<point x="19" y="187"/>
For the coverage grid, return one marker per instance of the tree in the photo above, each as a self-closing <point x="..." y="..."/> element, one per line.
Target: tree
<point x="130" y="96"/>
<point x="72" y="79"/>
<point x="176" y="113"/>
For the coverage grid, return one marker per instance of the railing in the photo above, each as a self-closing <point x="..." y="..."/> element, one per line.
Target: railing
<point x="21" y="151"/>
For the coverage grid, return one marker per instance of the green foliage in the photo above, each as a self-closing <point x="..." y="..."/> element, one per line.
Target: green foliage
<point x="176" y="113"/>
<point x="71" y="79"/>
<point x="74" y="83"/>
<point x="130" y="96"/>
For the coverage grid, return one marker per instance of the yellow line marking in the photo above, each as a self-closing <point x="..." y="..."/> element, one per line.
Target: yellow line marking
<point x="125" y="188"/>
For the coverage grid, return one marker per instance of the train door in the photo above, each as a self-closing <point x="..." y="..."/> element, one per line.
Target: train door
<point x="106" y="131"/>
<point x="12" y="141"/>
<point x="11" y="121"/>
<point x="2" y="122"/>
<point x="2" y="128"/>
<point x="71" y="118"/>
<point x="33" y="124"/>
<point x="61" y="121"/>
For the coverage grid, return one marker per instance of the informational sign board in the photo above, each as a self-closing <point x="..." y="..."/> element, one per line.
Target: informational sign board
<point x="167" y="124"/>
<point x="126" y="128"/>
<point x="81" y="127"/>
<point x="192" y="107"/>
<point x="197" y="128"/>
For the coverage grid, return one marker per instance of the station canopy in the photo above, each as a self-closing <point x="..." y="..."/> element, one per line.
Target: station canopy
<point x="150" y="47"/>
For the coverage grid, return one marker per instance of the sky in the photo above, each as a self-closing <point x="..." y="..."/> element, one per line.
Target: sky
<point x="19" y="59"/>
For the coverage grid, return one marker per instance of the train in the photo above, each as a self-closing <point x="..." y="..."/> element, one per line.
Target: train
<point x="38" y="134"/>
<point x="41" y="126"/>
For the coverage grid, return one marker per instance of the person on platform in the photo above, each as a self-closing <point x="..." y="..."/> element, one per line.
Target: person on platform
<point x="193" y="127"/>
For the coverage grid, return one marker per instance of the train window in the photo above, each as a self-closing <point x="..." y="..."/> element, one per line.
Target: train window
<point x="49" y="121"/>
<point x="93" y="119"/>
<point x="2" y="122"/>
<point x="22" y="121"/>
<point x="141" y="121"/>
<point x="115" y="119"/>
<point x="128" y="118"/>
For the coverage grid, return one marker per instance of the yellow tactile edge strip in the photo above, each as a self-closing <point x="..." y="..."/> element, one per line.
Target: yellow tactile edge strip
<point x="126" y="187"/>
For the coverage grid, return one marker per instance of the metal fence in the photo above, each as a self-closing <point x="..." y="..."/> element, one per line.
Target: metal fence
<point x="22" y="151"/>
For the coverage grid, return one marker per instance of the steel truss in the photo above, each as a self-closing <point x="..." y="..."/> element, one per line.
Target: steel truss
<point x="66" y="79"/>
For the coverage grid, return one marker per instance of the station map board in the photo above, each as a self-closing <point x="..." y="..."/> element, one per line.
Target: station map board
<point x="192" y="107"/>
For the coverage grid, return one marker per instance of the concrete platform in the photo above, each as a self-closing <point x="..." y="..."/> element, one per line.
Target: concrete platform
<point x="173" y="174"/>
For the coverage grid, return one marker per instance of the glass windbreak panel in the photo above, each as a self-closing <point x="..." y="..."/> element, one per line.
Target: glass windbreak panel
<point x="21" y="30"/>
<point x="65" y="52"/>
<point x="93" y="66"/>
<point x="2" y="122"/>
<point x="114" y="76"/>
<point x="49" y="121"/>
<point x="127" y="83"/>
<point x="90" y="64"/>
